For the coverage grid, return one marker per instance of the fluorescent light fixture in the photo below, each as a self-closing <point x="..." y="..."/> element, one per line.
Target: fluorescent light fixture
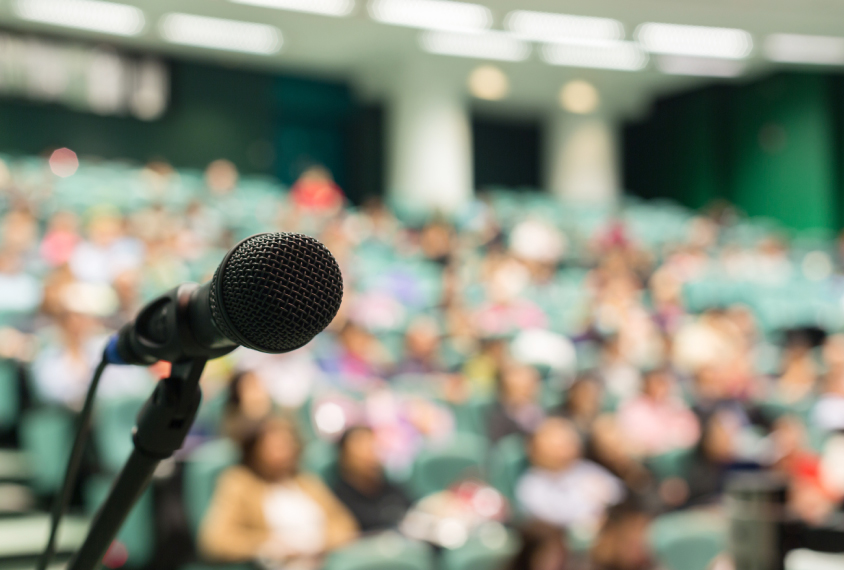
<point x="93" y="15"/>
<point x="625" y="56"/>
<point x="216" y="33"/>
<point x="701" y="41"/>
<point x="795" y="48"/>
<point x="700" y="66"/>
<point x="432" y="14"/>
<point x="322" y="7"/>
<point x="549" y="27"/>
<point x="485" y="45"/>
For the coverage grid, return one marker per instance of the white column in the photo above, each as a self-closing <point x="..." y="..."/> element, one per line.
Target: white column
<point x="582" y="159"/>
<point x="429" y="141"/>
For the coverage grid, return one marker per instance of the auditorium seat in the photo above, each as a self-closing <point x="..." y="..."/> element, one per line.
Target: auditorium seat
<point x="138" y="532"/>
<point x="389" y="551"/>
<point x="688" y="540"/>
<point x="441" y="464"/>
<point x="202" y="469"/>
<point x="47" y="436"/>
<point x="490" y="550"/>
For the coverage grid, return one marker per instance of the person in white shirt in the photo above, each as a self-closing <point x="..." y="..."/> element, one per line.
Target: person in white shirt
<point x="562" y="488"/>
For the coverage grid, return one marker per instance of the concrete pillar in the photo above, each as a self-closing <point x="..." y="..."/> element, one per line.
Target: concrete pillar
<point x="429" y="141"/>
<point x="582" y="159"/>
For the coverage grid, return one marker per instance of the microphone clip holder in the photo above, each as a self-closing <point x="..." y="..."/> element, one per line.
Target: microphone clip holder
<point x="162" y="425"/>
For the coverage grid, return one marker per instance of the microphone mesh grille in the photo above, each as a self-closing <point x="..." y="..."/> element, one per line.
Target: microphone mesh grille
<point x="278" y="291"/>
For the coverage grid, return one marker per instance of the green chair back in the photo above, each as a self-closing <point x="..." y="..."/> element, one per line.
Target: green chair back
<point x="46" y="436"/>
<point x="320" y="458"/>
<point x="138" y="531"/>
<point x="114" y="420"/>
<point x="10" y="397"/>
<point x="492" y="549"/>
<point x="388" y="551"/>
<point x="688" y="540"/>
<point x="202" y="469"/>
<point x="507" y="461"/>
<point x="442" y="464"/>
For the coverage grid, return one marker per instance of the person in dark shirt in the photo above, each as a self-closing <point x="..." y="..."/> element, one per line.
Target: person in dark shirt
<point x="362" y="487"/>
<point x="516" y="409"/>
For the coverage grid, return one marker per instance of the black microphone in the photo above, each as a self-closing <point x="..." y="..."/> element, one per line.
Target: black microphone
<point x="273" y="292"/>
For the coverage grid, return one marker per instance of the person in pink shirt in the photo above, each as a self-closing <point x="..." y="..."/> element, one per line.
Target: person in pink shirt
<point x="658" y="421"/>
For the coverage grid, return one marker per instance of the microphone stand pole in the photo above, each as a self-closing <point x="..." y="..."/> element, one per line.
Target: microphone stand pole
<point x="163" y="424"/>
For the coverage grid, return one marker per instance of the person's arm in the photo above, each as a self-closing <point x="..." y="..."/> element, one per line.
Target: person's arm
<point x="340" y="525"/>
<point x="226" y="533"/>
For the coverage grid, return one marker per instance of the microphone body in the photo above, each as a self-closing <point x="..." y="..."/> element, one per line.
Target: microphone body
<point x="272" y="292"/>
<point x="175" y="326"/>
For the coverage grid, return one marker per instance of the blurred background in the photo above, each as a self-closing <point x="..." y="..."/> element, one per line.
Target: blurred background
<point x="594" y="307"/>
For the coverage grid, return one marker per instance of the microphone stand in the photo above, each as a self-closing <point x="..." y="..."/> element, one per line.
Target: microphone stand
<point x="163" y="424"/>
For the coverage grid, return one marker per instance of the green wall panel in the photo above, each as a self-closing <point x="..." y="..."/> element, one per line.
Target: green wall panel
<point x="782" y="151"/>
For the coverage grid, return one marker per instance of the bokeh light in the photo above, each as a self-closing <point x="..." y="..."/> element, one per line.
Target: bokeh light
<point x="580" y="97"/>
<point x="489" y="82"/>
<point x="63" y="162"/>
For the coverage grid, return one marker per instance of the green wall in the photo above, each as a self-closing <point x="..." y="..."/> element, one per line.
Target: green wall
<point x="264" y="123"/>
<point x="769" y="146"/>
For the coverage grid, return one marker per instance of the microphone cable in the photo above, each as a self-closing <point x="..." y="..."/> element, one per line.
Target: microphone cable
<point x="62" y="499"/>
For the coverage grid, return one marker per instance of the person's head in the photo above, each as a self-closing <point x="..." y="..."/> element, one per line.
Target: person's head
<point x="272" y="449"/>
<point x="356" y="339"/>
<point x="518" y="384"/>
<point x="584" y="396"/>
<point x="358" y="455"/>
<point x="543" y="548"/>
<point x="248" y="396"/>
<point x="555" y="445"/>
<point x="622" y="542"/>
<point x="657" y="384"/>
<point x="221" y="176"/>
<point x="422" y="339"/>
<point x="716" y="441"/>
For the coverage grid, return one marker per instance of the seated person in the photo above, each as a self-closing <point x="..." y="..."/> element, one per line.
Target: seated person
<point x="622" y="543"/>
<point x="562" y="488"/>
<point x="362" y="487"/>
<point x="583" y="402"/>
<point x="248" y="403"/>
<point x="657" y="421"/>
<point x="516" y="409"/>
<point x="264" y="509"/>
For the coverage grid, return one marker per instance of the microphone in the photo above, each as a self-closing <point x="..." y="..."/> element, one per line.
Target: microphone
<point x="272" y="292"/>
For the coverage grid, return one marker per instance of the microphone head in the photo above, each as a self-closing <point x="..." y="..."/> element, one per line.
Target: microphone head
<point x="274" y="292"/>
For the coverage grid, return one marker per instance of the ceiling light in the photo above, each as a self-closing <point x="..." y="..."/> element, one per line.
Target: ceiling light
<point x="548" y="27"/>
<point x="579" y="97"/>
<point x="432" y="14"/>
<point x="728" y="43"/>
<point x="794" y="48"/>
<point x="486" y="45"/>
<point x="700" y="66"/>
<point x="216" y="33"/>
<point x="94" y="15"/>
<point x="488" y="82"/>
<point x="322" y="7"/>
<point x="626" y="56"/>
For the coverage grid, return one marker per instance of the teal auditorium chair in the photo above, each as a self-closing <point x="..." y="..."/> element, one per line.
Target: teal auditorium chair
<point x="507" y="461"/>
<point x="46" y="437"/>
<point x="320" y="458"/>
<point x="492" y="549"/>
<point x="114" y="420"/>
<point x="688" y="540"/>
<point x="439" y="465"/>
<point x="138" y="531"/>
<point x="202" y="469"/>
<point x="10" y="397"/>
<point x="389" y="551"/>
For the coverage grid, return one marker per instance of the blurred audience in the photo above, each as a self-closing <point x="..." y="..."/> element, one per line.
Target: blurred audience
<point x="266" y="510"/>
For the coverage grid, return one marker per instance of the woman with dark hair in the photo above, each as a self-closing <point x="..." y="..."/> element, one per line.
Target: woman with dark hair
<point x="248" y="403"/>
<point x="264" y="509"/>
<point x="362" y="486"/>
